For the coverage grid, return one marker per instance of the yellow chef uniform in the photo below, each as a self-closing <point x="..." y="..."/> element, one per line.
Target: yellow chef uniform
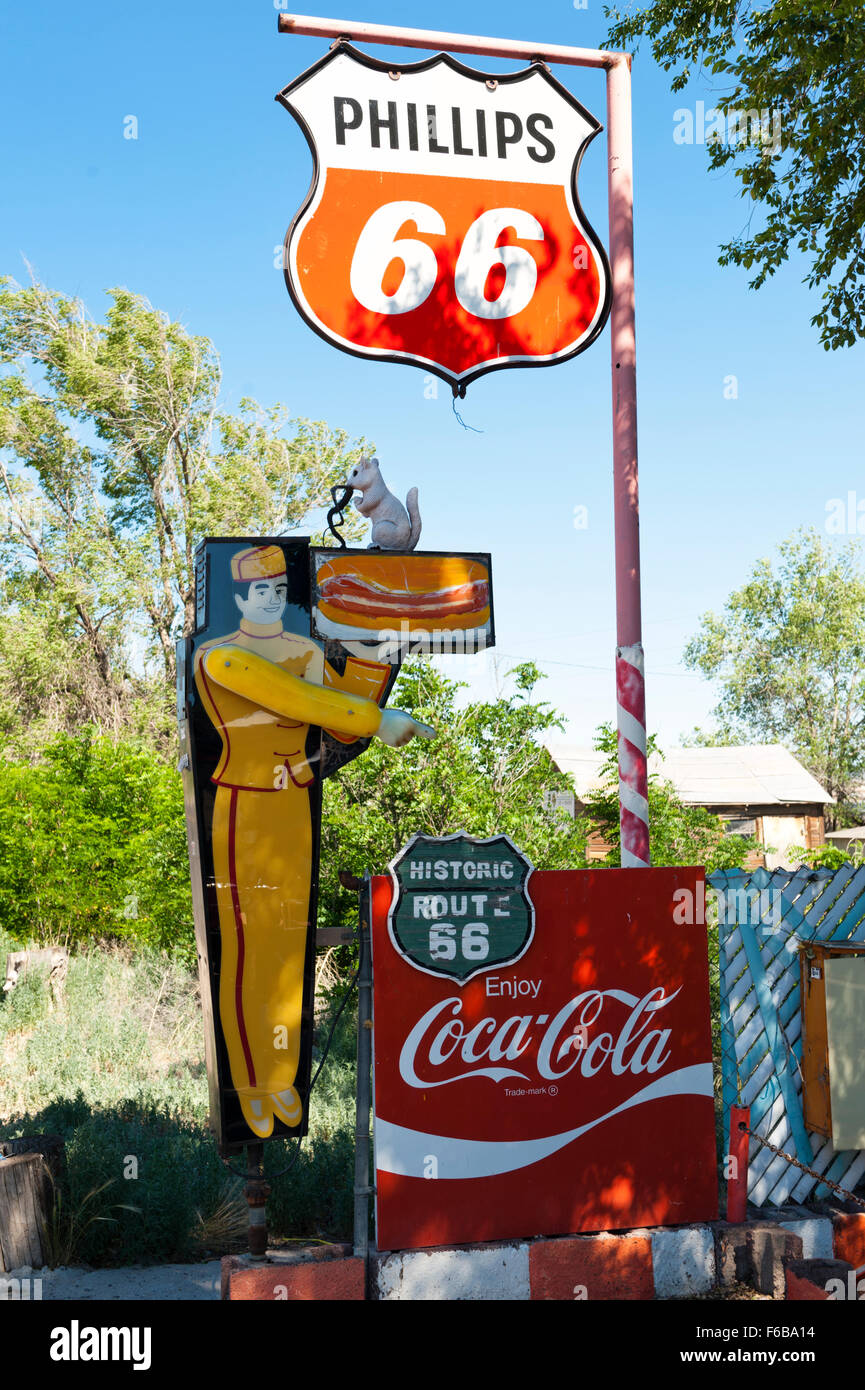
<point x="262" y="688"/>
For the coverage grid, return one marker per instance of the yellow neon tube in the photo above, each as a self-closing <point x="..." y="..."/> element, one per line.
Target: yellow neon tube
<point x="264" y="684"/>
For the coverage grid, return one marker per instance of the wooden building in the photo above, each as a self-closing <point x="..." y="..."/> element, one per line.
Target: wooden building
<point x="757" y="789"/>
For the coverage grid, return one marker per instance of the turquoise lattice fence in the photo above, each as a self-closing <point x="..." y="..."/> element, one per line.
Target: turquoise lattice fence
<point x="763" y="917"/>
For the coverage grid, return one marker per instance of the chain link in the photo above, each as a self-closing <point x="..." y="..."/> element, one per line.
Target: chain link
<point x="836" y="1187"/>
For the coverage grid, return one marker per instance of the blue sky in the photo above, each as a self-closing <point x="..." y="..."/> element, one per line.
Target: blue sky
<point x="191" y="213"/>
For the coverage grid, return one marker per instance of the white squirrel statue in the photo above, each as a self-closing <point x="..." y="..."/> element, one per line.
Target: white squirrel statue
<point x="394" y="526"/>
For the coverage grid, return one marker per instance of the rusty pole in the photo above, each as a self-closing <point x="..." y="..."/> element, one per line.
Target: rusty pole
<point x="257" y="1192"/>
<point x="630" y="674"/>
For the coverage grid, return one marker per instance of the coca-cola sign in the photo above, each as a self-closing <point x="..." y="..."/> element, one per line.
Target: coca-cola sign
<point x="562" y="1043"/>
<point x="568" y="1091"/>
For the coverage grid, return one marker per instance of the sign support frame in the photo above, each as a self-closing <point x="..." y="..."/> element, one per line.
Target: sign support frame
<point x="630" y="672"/>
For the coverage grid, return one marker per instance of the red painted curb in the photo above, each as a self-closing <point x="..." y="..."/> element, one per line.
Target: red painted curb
<point x="807" y="1280"/>
<point x="229" y="1264"/>
<point x="592" y="1268"/>
<point x="848" y="1238"/>
<point x="320" y="1280"/>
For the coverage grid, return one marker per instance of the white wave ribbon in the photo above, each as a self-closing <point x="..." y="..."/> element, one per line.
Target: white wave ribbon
<point x="407" y="1151"/>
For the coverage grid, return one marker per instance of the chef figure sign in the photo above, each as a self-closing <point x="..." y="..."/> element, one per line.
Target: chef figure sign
<point x="442" y="227"/>
<point x="283" y="681"/>
<point x="263" y="688"/>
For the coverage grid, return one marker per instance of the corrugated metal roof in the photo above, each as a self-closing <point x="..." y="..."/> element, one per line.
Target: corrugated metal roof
<point x="753" y="774"/>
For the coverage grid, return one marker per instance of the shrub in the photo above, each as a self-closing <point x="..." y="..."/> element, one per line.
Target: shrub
<point x="93" y="847"/>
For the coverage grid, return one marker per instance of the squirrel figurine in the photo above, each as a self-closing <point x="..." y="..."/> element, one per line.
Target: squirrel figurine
<point x="394" y="526"/>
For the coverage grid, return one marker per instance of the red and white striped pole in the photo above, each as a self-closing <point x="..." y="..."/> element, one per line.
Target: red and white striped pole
<point x="630" y="675"/>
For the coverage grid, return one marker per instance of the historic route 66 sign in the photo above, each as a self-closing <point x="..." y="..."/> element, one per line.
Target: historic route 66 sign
<point x="460" y="905"/>
<point x="442" y="227"/>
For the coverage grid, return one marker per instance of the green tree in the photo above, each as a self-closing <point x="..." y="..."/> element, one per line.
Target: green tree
<point x="485" y="773"/>
<point x="802" y="64"/>
<point x="789" y="653"/>
<point x="116" y="458"/>
<point x="678" y="834"/>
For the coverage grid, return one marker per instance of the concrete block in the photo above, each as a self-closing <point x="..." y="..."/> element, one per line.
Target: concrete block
<point x="753" y="1253"/>
<point x="816" y="1236"/>
<point x="768" y="1247"/>
<point x="684" y="1260"/>
<point x="732" y="1263"/>
<point x="312" y="1274"/>
<point x="808" y="1281"/>
<point x="489" y="1273"/>
<point x="313" y="1252"/>
<point x="592" y="1268"/>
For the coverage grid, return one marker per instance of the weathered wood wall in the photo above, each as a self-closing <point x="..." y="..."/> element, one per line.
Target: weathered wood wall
<point x="761" y="1018"/>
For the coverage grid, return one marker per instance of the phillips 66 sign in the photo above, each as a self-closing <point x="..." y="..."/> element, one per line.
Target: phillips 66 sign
<point x="442" y="227"/>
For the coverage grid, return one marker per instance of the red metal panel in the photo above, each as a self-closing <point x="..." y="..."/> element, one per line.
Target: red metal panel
<point x="737" y="1157"/>
<point x="569" y="1092"/>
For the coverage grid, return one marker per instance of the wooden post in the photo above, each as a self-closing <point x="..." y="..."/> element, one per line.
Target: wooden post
<point x="25" y="1199"/>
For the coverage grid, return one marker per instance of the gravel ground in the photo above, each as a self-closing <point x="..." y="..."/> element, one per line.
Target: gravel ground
<point x="161" y="1282"/>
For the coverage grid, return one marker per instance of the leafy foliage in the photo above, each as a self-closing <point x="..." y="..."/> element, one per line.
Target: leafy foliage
<point x="484" y="773"/>
<point x="789" y="652"/>
<point x="829" y="856"/>
<point x="93" y="839"/>
<point x="803" y="64"/>
<point x="64" y="1232"/>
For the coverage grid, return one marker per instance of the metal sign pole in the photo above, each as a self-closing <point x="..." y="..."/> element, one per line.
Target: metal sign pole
<point x="630" y="679"/>
<point x="362" y="1189"/>
<point x="630" y="676"/>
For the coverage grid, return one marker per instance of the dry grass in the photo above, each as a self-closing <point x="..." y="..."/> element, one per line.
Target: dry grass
<point x="327" y="980"/>
<point x="131" y="1025"/>
<point x="224" y="1228"/>
<point x="724" y="1293"/>
<point x="66" y="1225"/>
<point x="119" y="1072"/>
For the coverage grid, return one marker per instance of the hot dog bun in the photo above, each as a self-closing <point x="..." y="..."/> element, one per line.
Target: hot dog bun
<point x="428" y="592"/>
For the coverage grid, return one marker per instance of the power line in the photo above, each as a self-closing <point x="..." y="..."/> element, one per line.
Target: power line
<point x="608" y="670"/>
